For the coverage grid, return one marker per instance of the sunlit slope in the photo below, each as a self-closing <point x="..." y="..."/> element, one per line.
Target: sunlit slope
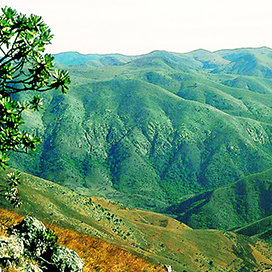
<point x="251" y="62"/>
<point x="151" y="235"/>
<point x="97" y="255"/>
<point x="156" y="127"/>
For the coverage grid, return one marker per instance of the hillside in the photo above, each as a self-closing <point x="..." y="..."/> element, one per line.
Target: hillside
<point x="148" y="130"/>
<point x="97" y="255"/>
<point x="153" y="236"/>
<point x="244" y="206"/>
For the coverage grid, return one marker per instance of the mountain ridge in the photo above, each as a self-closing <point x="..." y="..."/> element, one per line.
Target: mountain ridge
<point x="155" y="128"/>
<point x="59" y="57"/>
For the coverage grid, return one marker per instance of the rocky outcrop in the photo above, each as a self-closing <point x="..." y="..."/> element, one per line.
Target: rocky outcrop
<point x="12" y="254"/>
<point x="30" y="241"/>
<point x="11" y="250"/>
<point x="65" y="259"/>
<point x="34" y="235"/>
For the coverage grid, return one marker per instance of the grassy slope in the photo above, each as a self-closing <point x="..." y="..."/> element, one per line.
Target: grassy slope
<point x="154" y="236"/>
<point x="156" y="127"/>
<point x="96" y="254"/>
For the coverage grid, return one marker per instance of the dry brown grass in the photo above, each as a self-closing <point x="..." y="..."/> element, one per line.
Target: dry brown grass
<point x="101" y="256"/>
<point x="96" y="254"/>
<point x="8" y="218"/>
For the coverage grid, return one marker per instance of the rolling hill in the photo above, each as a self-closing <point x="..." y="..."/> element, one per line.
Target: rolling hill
<point x="230" y="207"/>
<point x="155" y="237"/>
<point x="149" y="130"/>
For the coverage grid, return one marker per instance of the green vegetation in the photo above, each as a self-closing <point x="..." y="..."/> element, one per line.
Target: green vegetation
<point x="156" y="127"/>
<point x="244" y="206"/>
<point x="164" y="131"/>
<point x="23" y="67"/>
<point x="156" y="237"/>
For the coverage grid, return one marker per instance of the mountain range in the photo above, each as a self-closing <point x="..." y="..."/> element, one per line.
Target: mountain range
<point x="152" y="130"/>
<point x="166" y="155"/>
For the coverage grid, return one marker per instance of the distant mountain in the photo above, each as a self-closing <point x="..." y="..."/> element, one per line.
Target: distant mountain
<point x="96" y="60"/>
<point x="149" y="130"/>
<point x="250" y="62"/>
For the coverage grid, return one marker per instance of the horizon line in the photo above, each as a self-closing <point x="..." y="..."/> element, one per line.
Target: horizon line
<point x="161" y="50"/>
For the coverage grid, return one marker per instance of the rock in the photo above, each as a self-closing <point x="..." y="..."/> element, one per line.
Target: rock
<point x="11" y="248"/>
<point x="40" y="244"/>
<point x="32" y="268"/>
<point x="168" y="268"/>
<point x="29" y="225"/>
<point x="67" y="260"/>
<point x="34" y="235"/>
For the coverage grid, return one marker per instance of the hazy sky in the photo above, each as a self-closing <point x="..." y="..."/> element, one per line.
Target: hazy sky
<point x="140" y="26"/>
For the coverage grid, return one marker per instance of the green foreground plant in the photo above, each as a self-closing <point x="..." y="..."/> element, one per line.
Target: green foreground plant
<point x="23" y="67"/>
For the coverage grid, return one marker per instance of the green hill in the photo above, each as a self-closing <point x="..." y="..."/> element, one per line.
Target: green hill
<point x="261" y="228"/>
<point x="244" y="206"/>
<point x="251" y="62"/>
<point x="151" y="129"/>
<point x="153" y="236"/>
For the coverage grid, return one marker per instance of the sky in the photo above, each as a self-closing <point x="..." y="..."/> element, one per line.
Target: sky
<point x="134" y="27"/>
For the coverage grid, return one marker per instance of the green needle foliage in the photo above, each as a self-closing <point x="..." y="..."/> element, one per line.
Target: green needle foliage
<point x="23" y="67"/>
